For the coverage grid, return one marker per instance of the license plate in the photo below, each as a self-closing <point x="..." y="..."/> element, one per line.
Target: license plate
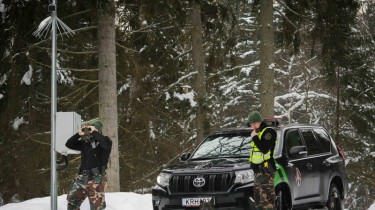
<point x="194" y="202"/>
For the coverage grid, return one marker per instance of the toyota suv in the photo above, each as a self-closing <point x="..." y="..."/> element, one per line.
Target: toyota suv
<point x="310" y="172"/>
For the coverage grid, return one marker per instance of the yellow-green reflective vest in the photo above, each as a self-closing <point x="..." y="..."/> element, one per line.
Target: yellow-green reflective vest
<point x="256" y="156"/>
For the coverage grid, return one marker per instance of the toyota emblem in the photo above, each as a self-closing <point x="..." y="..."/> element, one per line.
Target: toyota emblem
<point x="199" y="182"/>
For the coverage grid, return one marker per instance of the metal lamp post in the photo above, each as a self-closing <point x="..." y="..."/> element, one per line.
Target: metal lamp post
<point x="52" y="9"/>
<point x="53" y="23"/>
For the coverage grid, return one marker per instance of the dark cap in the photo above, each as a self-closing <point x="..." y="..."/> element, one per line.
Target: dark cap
<point x="96" y="123"/>
<point x="254" y="116"/>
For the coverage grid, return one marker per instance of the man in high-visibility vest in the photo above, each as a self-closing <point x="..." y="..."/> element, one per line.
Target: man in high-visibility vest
<point x="262" y="162"/>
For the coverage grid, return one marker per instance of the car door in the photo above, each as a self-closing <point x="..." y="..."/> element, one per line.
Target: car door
<point x="313" y="162"/>
<point x="299" y="174"/>
<point x="326" y="160"/>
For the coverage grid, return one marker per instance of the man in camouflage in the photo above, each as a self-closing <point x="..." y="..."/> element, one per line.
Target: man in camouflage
<point x="262" y="162"/>
<point x="82" y="187"/>
<point x="91" y="179"/>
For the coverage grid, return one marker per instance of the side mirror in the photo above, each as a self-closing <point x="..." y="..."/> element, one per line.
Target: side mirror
<point x="185" y="156"/>
<point x="298" y="152"/>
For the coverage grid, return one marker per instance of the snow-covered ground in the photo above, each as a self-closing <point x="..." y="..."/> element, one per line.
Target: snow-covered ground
<point x="115" y="201"/>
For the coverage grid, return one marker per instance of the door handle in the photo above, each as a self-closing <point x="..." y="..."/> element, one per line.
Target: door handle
<point x="309" y="166"/>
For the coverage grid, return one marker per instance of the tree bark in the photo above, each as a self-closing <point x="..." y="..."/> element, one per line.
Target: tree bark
<point x="108" y="89"/>
<point x="198" y="63"/>
<point x="337" y="120"/>
<point x="266" y="59"/>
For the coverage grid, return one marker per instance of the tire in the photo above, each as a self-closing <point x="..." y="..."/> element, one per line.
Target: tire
<point x="335" y="201"/>
<point x="282" y="199"/>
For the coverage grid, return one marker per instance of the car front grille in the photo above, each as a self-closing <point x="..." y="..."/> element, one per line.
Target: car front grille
<point x="213" y="183"/>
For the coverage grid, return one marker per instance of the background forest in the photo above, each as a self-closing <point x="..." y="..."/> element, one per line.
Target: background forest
<point x="323" y="64"/>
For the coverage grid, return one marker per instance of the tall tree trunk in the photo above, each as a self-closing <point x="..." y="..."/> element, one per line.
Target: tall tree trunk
<point x="337" y="120"/>
<point x="266" y="59"/>
<point x="198" y="62"/>
<point x="108" y="89"/>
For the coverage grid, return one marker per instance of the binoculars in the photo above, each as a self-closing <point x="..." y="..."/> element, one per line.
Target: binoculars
<point x="86" y="133"/>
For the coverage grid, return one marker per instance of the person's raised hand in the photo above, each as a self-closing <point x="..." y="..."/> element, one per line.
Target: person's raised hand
<point x="254" y="133"/>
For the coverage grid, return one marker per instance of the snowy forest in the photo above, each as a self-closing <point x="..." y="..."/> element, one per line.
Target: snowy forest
<point x="323" y="73"/>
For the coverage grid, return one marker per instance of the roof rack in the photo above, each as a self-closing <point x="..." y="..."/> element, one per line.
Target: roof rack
<point x="274" y="122"/>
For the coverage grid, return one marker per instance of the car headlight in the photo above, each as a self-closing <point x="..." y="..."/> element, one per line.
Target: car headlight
<point x="244" y="176"/>
<point x="163" y="179"/>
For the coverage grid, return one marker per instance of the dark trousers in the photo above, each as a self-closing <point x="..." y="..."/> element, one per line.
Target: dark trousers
<point x="264" y="193"/>
<point x="91" y="186"/>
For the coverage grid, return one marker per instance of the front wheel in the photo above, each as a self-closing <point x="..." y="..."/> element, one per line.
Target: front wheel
<point x="282" y="199"/>
<point x="335" y="201"/>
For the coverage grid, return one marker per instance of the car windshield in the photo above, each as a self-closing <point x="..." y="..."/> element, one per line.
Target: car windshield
<point x="223" y="146"/>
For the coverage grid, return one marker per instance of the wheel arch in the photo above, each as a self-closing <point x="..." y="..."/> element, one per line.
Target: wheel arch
<point x="337" y="181"/>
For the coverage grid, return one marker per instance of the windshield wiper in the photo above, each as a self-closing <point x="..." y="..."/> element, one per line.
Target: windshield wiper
<point x="234" y="156"/>
<point x="204" y="158"/>
<point x="219" y="157"/>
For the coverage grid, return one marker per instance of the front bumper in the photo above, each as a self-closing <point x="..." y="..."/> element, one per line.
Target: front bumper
<point x="239" y="198"/>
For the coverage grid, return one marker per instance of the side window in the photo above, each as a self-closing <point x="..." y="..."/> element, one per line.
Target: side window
<point x="313" y="146"/>
<point x="292" y="138"/>
<point x="323" y="138"/>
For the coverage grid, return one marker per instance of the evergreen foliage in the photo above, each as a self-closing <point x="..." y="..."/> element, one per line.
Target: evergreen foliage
<point x="324" y="55"/>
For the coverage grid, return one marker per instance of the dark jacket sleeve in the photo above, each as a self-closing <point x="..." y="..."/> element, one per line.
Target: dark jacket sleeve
<point x="74" y="143"/>
<point x="267" y="142"/>
<point x="104" y="141"/>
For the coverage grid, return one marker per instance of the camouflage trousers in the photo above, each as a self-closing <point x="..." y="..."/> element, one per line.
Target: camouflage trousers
<point x="85" y="186"/>
<point x="264" y="193"/>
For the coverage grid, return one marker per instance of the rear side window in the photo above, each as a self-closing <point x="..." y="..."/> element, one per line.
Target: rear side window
<point x="313" y="146"/>
<point x="323" y="138"/>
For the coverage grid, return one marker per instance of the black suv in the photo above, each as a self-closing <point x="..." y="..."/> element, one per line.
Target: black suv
<point x="310" y="172"/>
